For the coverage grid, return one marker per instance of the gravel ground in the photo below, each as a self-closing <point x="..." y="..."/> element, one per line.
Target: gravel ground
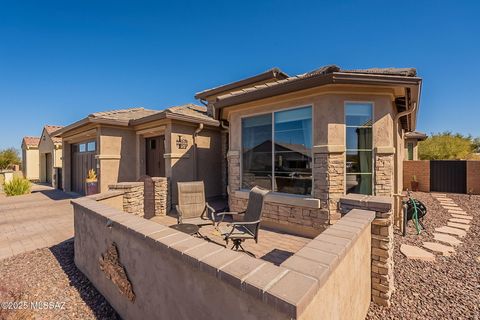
<point x="49" y="275"/>
<point x="448" y="288"/>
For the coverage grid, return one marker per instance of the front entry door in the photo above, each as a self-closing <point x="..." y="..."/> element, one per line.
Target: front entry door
<point x="155" y="149"/>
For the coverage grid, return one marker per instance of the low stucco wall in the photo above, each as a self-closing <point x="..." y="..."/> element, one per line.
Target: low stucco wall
<point x="176" y="276"/>
<point x="113" y="198"/>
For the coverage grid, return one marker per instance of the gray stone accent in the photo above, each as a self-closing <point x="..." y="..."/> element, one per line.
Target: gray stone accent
<point x="161" y="186"/>
<point x="132" y="197"/>
<point x="383" y="174"/>
<point x="382" y="242"/>
<point x="329" y="181"/>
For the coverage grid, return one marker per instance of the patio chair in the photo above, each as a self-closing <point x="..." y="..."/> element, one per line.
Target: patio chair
<point x="192" y="207"/>
<point x="248" y="228"/>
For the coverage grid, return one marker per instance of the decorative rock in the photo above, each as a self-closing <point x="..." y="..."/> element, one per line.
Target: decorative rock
<point x="451" y="230"/>
<point x="446" y="239"/>
<point x="457" y="220"/>
<point x="412" y="252"/>
<point x="458" y="225"/>
<point x="462" y="216"/>
<point x="437" y="247"/>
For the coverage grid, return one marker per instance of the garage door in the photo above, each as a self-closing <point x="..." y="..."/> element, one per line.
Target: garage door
<point x="83" y="159"/>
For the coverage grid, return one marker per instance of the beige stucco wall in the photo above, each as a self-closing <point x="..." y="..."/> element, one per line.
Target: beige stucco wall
<point x="208" y="155"/>
<point x="328" y="115"/>
<point x="347" y="292"/>
<point x="47" y="146"/>
<point x="328" y="121"/>
<point x="31" y="163"/>
<point x="117" y="156"/>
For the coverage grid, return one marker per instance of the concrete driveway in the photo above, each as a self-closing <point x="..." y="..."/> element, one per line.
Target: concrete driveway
<point x="37" y="220"/>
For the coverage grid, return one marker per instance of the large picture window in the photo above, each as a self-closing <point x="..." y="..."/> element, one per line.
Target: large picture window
<point x="276" y="151"/>
<point x="359" y="141"/>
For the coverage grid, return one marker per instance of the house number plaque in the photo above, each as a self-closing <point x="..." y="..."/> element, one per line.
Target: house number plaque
<point x="182" y="143"/>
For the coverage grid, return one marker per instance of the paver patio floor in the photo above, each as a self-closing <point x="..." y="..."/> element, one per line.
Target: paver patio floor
<point x="272" y="246"/>
<point x="40" y="219"/>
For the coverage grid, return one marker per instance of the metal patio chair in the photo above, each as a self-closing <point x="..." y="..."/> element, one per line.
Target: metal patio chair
<point x="192" y="207"/>
<point x="247" y="229"/>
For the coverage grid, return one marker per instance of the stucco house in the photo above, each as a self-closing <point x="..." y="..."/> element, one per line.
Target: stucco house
<point x="411" y="144"/>
<point x="50" y="161"/>
<point x="345" y="132"/>
<point x="180" y="142"/>
<point x="30" y="158"/>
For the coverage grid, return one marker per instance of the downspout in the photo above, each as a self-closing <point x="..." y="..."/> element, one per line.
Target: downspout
<point x="195" y="156"/>
<point x="396" y="192"/>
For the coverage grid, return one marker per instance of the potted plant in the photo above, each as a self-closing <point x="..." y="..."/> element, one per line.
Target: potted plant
<point x="414" y="183"/>
<point x="91" y="183"/>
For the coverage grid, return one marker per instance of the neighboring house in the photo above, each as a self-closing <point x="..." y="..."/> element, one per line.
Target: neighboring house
<point x="180" y="142"/>
<point x="411" y="144"/>
<point x="30" y="158"/>
<point x="344" y="130"/>
<point x="50" y="148"/>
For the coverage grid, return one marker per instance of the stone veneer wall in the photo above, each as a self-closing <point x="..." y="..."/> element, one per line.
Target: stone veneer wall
<point x="329" y="181"/>
<point x="281" y="213"/>
<point x="328" y="187"/>
<point x="162" y="194"/>
<point x="382" y="242"/>
<point x="384" y="164"/>
<point x="133" y="196"/>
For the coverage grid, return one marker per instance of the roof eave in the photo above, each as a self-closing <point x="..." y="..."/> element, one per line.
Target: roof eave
<point x="274" y="73"/>
<point x="176" y="116"/>
<point x="62" y="131"/>
<point x="307" y="83"/>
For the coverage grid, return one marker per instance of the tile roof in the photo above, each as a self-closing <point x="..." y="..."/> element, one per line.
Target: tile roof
<point x="191" y="110"/>
<point x="31" y="141"/>
<point x="50" y="129"/>
<point x="329" y="69"/>
<point x="123" y="114"/>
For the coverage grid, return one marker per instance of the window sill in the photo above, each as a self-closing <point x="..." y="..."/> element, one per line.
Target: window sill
<point x="283" y="198"/>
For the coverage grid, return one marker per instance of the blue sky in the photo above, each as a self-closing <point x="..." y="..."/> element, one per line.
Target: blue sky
<point x="61" y="60"/>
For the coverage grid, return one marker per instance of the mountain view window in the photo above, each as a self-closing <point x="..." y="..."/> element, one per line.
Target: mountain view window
<point x="358" y="121"/>
<point x="276" y="151"/>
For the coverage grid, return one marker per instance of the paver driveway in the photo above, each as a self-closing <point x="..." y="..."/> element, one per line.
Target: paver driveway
<point x="40" y="219"/>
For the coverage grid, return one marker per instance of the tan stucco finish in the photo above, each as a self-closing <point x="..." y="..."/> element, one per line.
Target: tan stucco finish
<point x="30" y="163"/>
<point x="50" y="157"/>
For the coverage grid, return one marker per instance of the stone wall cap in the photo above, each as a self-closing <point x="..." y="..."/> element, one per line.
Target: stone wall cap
<point x="125" y="185"/>
<point x="106" y="195"/>
<point x="288" y="199"/>
<point x="375" y="203"/>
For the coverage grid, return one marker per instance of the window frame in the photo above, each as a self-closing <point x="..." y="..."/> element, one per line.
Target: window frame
<point x="410" y="143"/>
<point x="272" y="113"/>
<point x="372" y="103"/>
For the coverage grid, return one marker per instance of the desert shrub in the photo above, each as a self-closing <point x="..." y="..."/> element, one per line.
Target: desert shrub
<point x="17" y="186"/>
<point x="9" y="157"/>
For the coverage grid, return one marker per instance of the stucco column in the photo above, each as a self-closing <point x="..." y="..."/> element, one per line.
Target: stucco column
<point x="233" y="158"/>
<point x="66" y="167"/>
<point x="329" y="178"/>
